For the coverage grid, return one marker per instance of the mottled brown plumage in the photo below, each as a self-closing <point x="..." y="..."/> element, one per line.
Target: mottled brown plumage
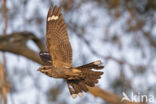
<point x="57" y="40"/>
<point x="58" y="60"/>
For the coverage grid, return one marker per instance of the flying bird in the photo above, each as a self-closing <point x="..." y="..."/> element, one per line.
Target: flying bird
<point x="57" y="61"/>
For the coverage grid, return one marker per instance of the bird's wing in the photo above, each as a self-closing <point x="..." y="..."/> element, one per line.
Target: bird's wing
<point x="57" y="39"/>
<point x="45" y="57"/>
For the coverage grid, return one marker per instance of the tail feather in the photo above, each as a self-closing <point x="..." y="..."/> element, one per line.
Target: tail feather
<point x="77" y="89"/>
<point x="70" y="87"/>
<point x="90" y="74"/>
<point x="88" y="77"/>
<point x="90" y="82"/>
<point x="93" y="65"/>
<point x="82" y="86"/>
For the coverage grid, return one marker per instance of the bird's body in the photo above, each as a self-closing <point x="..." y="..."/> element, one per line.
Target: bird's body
<point x="55" y="72"/>
<point x="58" y="60"/>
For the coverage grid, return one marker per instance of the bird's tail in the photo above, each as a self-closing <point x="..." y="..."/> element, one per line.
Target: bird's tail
<point x="87" y="77"/>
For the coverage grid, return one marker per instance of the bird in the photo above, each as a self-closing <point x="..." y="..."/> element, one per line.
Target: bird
<point x="57" y="60"/>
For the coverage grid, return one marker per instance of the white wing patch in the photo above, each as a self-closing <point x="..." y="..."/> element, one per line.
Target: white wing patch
<point x="53" y="17"/>
<point x="74" y="96"/>
<point x="98" y="62"/>
<point x="80" y="94"/>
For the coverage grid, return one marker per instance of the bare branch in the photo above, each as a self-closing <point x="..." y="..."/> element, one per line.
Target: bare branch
<point x="5" y="16"/>
<point x="3" y="77"/>
<point x="107" y="96"/>
<point x="4" y="85"/>
<point x="16" y="43"/>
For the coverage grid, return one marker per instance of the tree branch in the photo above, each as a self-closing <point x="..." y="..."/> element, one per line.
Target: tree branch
<point x="2" y="71"/>
<point x="108" y="97"/>
<point x="4" y="85"/>
<point x="16" y="43"/>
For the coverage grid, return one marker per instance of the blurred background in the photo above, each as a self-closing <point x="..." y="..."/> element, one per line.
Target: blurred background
<point x="121" y="33"/>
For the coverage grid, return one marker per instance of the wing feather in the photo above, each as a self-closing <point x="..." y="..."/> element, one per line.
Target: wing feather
<point x="57" y="39"/>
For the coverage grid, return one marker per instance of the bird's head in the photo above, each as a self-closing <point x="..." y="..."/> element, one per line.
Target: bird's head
<point x="45" y="70"/>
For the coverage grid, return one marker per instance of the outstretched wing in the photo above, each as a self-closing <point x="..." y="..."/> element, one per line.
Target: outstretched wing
<point x="57" y="39"/>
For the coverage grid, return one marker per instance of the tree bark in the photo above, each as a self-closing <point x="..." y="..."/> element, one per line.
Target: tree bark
<point x="16" y="43"/>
